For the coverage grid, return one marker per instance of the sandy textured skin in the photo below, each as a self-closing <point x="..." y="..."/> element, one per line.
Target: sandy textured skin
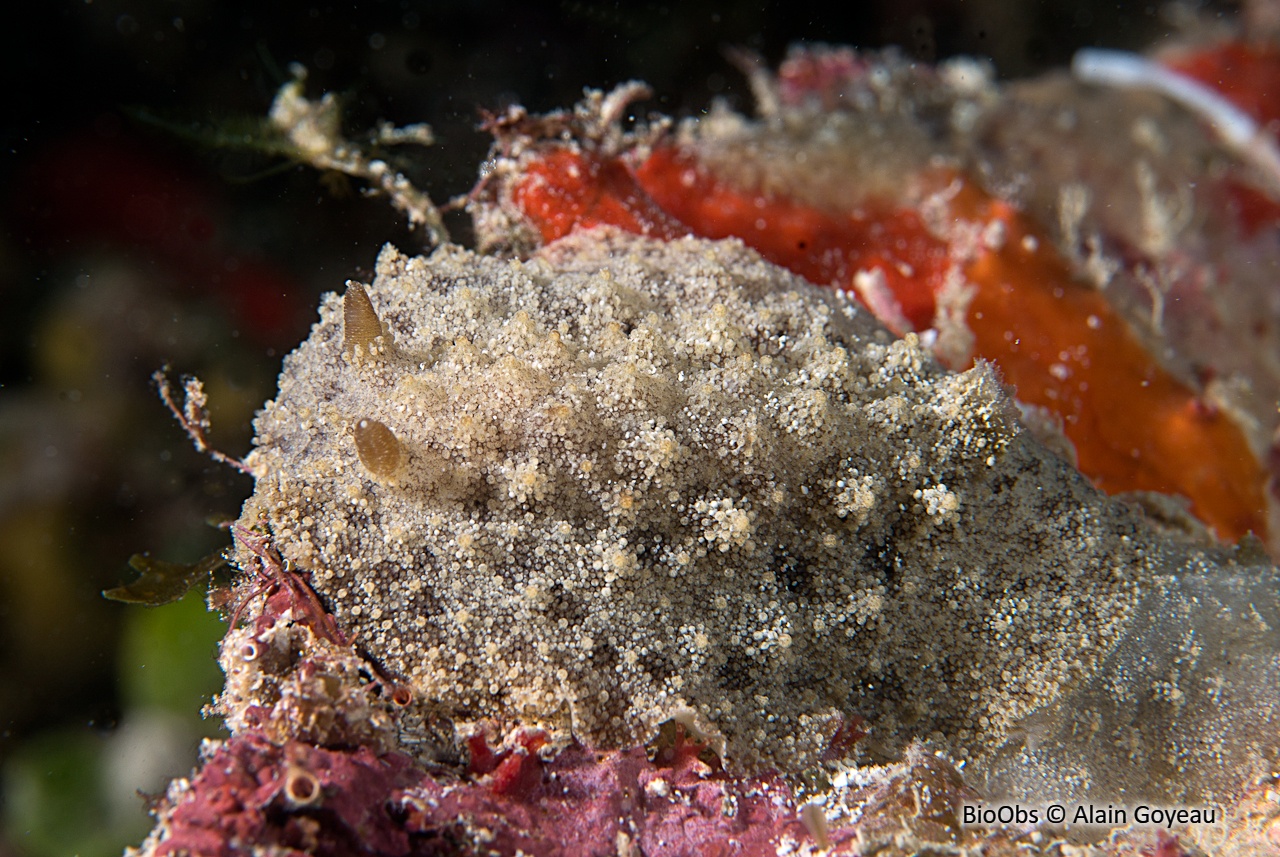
<point x="1184" y="709"/>
<point x="642" y="481"/>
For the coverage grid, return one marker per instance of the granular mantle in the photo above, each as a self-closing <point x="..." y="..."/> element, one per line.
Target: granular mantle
<point x="630" y="481"/>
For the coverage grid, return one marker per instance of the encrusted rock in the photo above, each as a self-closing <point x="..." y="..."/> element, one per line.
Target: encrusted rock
<point x="288" y="684"/>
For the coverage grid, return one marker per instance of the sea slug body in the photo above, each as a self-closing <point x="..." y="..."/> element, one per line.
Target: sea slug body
<point x="638" y="481"/>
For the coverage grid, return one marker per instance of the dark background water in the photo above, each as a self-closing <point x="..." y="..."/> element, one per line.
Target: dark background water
<point x="129" y="240"/>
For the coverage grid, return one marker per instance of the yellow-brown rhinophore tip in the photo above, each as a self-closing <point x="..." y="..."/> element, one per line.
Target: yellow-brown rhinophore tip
<point x="360" y="322"/>
<point x="377" y="447"/>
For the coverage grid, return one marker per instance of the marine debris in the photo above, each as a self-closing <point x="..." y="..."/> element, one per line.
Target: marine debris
<point x="312" y="132"/>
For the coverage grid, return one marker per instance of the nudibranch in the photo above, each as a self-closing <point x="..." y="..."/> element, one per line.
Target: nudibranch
<point x="876" y="175"/>
<point x="643" y="480"/>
